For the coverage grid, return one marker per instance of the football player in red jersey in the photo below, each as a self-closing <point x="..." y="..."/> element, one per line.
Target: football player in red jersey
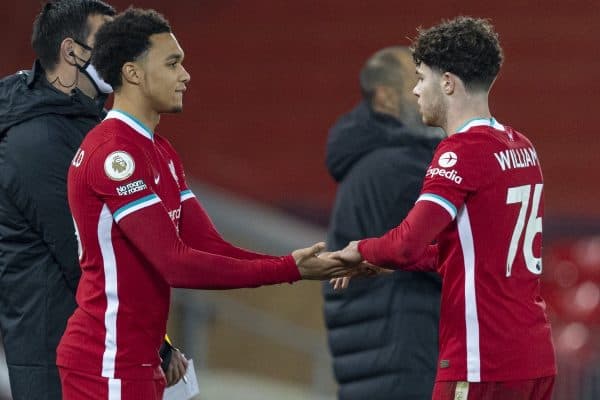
<point x="141" y="229"/>
<point x="481" y="205"/>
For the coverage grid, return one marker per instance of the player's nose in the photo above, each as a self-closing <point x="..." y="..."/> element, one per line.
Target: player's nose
<point x="186" y="76"/>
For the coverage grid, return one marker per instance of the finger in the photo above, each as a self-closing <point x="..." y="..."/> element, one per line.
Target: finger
<point x="170" y="378"/>
<point x="182" y="366"/>
<point x="317" y="248"/>
<point x="345" y="282"/>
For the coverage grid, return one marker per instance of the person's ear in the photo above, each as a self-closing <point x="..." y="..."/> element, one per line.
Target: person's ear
<point x="384" y="97"/>
<point x="132" y="73"/>
<point x="448" y="82"/>
<point x="67" y="51"/>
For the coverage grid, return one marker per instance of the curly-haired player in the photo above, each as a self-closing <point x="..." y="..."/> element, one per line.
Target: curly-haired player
<point x="482" y="203"/>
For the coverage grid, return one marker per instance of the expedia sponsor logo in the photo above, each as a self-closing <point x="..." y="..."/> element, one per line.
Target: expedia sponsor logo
<point x="448" y="159"/>
<point x="131" y="188"/>
<point x="452" y="175"/>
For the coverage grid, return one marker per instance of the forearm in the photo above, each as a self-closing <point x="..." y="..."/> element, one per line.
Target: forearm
<point x="408" y="246"/>
<point x="186" y="267"/>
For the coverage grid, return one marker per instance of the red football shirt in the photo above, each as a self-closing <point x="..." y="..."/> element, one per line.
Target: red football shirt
<point x="493" y="325"/>
<point x="141" y="231"/>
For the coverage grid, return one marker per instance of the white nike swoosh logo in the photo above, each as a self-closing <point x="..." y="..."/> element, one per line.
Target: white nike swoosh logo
<point x="156" y="179"/>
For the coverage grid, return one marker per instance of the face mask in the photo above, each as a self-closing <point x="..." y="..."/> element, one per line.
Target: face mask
<point x="88" y="70"/>
<point x="92" y="74"/>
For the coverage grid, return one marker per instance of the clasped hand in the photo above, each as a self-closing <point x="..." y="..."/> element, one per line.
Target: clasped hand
<point x="338" y="266"/>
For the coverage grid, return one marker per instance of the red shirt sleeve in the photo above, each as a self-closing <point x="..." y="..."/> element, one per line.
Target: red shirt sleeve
<point x="408" y="246"/>
<point x="122" y="181"/>
<point x="185" y="267"/>
<point x="457" y="170"/>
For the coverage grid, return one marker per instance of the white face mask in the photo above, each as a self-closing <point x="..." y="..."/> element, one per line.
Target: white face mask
<point x="92" y="74"/>
<point x="88" y="69"/>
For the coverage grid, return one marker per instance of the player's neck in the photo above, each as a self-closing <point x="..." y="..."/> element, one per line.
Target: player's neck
<point x="469" y="108"/>
<point x="139" y="110"/>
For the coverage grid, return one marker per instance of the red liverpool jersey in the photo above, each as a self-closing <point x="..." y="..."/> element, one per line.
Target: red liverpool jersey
<point x="493" y="325"/>
<point x="141" y="231"/>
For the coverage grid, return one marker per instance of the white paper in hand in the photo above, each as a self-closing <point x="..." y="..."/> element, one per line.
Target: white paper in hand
<point x="183" y="390"/>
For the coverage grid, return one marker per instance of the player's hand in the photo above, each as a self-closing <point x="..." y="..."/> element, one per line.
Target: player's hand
<point x="364" y="269"/>
<point x="177" y="367"/>
<point x="349" y="254"/>
<point x="311" y="266"/>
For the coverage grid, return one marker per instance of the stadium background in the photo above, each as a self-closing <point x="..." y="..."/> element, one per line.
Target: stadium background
<point x="268" y="79"/>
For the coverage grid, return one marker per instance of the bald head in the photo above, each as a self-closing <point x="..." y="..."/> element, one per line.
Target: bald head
<point x="386" y="82"/>
<point x="388" y="67"/>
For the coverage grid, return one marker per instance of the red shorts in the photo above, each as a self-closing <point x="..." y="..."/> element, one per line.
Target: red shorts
<point x="533" y="389"/>
<point x="77" y="385"/>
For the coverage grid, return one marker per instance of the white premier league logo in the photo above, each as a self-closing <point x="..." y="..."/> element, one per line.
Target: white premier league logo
<point x="119" y="165"/>
<point x="448" y="159"/>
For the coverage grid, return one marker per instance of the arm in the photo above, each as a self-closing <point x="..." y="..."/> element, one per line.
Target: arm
<point x="197" y="231"/>
<point x="408" y="245"/>
<point x="185" y="267"/>
<point x="145" y="222"/>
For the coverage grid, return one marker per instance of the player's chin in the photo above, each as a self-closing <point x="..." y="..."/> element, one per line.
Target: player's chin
<point x="175" y="107"/>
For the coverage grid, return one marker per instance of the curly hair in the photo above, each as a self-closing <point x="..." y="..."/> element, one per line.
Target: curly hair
<point x="465" y="46"/>
<point x="126" y="38"/>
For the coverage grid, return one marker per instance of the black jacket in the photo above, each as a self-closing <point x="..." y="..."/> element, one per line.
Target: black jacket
<point x="382" y="331"/>
<point x="40" y="131"/>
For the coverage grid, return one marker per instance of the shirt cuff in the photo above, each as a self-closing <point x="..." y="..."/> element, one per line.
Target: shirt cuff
<point x="290" y="270"/>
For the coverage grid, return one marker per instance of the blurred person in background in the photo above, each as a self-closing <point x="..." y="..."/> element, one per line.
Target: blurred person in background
<point x="141" y="230"/>
<point x="44" y="115"/>
<point x="382" y="331"/>
<point x="482" y="203"/>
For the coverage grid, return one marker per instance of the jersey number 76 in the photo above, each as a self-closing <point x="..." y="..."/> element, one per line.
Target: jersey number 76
<point x="533" y="223"/>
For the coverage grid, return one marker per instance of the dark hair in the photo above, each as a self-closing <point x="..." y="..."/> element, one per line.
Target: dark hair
<point x="125" y="39"/>
<point x="60" y="19"/>
<point x="465" y="46"/>
<point x="383" y="68"/>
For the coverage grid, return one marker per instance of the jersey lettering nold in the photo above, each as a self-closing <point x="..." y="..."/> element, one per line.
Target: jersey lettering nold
<point x="490" y="291"/>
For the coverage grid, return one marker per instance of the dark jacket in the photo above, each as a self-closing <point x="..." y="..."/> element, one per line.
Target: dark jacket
<point x="382" y="331"/>
<point x="40" y="131"/>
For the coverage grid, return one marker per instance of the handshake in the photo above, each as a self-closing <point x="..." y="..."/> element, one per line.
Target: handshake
<point x="338" y="266"/>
